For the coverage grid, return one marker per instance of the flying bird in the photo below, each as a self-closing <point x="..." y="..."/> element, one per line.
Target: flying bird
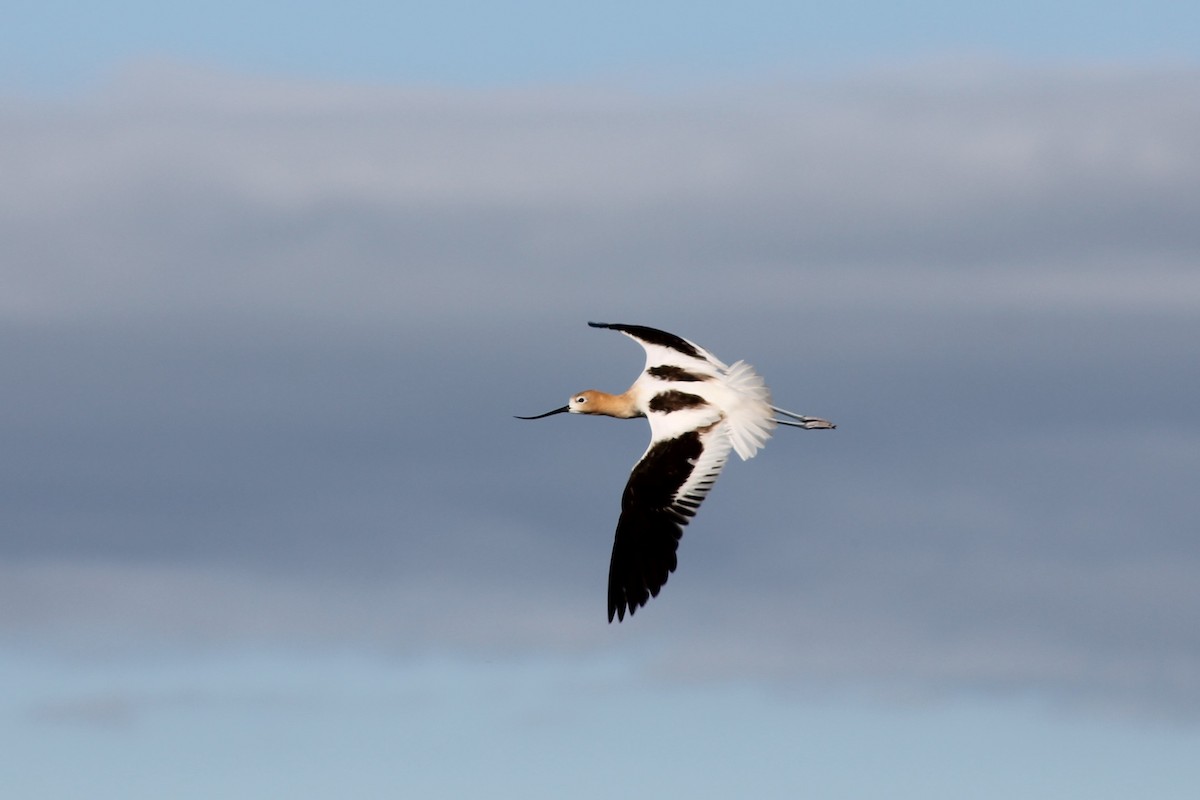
<point x="699" y="409"/>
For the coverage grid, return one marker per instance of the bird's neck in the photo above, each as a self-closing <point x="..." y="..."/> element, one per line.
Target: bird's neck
<point x="622" y="406"/>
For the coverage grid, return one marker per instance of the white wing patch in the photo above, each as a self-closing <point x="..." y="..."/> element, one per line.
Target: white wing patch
<point x="657" y="355"/>
<point x="677" y="423"/>
<point x="707" y="469"/>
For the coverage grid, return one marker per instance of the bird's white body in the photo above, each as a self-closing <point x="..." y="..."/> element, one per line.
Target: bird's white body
<point x="699" y="409"/>
<point x="735" y="397"/>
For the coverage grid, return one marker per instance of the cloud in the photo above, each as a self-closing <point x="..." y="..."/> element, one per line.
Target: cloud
<point x="264" y="341"/>
<point x="197" y="191"/>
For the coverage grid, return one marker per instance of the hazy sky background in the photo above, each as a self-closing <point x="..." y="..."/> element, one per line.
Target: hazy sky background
<point x="274" y="280"/>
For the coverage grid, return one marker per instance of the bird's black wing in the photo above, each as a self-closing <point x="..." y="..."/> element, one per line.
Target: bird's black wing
<point x="664" y="490"/>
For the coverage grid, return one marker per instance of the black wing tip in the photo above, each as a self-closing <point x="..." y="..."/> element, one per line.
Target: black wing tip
<point x="624" y="598"/>
<point x="655" y="336"/>
<point x="618" y="605"/>
<point x="620" y="609"/>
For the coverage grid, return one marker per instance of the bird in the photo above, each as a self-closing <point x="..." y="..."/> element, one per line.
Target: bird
<point x="699" y="409"/>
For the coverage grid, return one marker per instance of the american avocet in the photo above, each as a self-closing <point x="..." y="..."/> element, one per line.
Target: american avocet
<point x="699" y="408"/>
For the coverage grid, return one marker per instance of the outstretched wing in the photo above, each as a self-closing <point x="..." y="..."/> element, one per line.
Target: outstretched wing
<point x="689" y="384"/>
<point x="664" y="491"/>
<point x="667" y="351"/>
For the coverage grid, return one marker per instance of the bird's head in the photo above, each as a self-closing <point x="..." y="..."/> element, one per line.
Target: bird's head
<point x="585" y="402"/>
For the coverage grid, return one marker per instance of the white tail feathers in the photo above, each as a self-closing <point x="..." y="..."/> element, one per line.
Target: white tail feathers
<point x="750" y="416"/>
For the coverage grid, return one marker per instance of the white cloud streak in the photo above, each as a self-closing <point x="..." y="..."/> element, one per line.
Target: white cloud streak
<point x="196" y="191"/>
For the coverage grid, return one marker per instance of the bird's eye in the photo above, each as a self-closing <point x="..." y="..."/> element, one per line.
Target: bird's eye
<point x="581" y="399"/>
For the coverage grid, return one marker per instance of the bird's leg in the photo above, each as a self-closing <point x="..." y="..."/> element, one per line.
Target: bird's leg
<point x="801" y="421"/>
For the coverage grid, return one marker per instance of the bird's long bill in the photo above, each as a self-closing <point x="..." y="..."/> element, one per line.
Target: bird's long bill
<point x="562" y="410"/>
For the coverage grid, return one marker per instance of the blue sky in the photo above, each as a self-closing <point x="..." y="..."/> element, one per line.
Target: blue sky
<point x="274" y="279"/>
<point x="485" y="44"/>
